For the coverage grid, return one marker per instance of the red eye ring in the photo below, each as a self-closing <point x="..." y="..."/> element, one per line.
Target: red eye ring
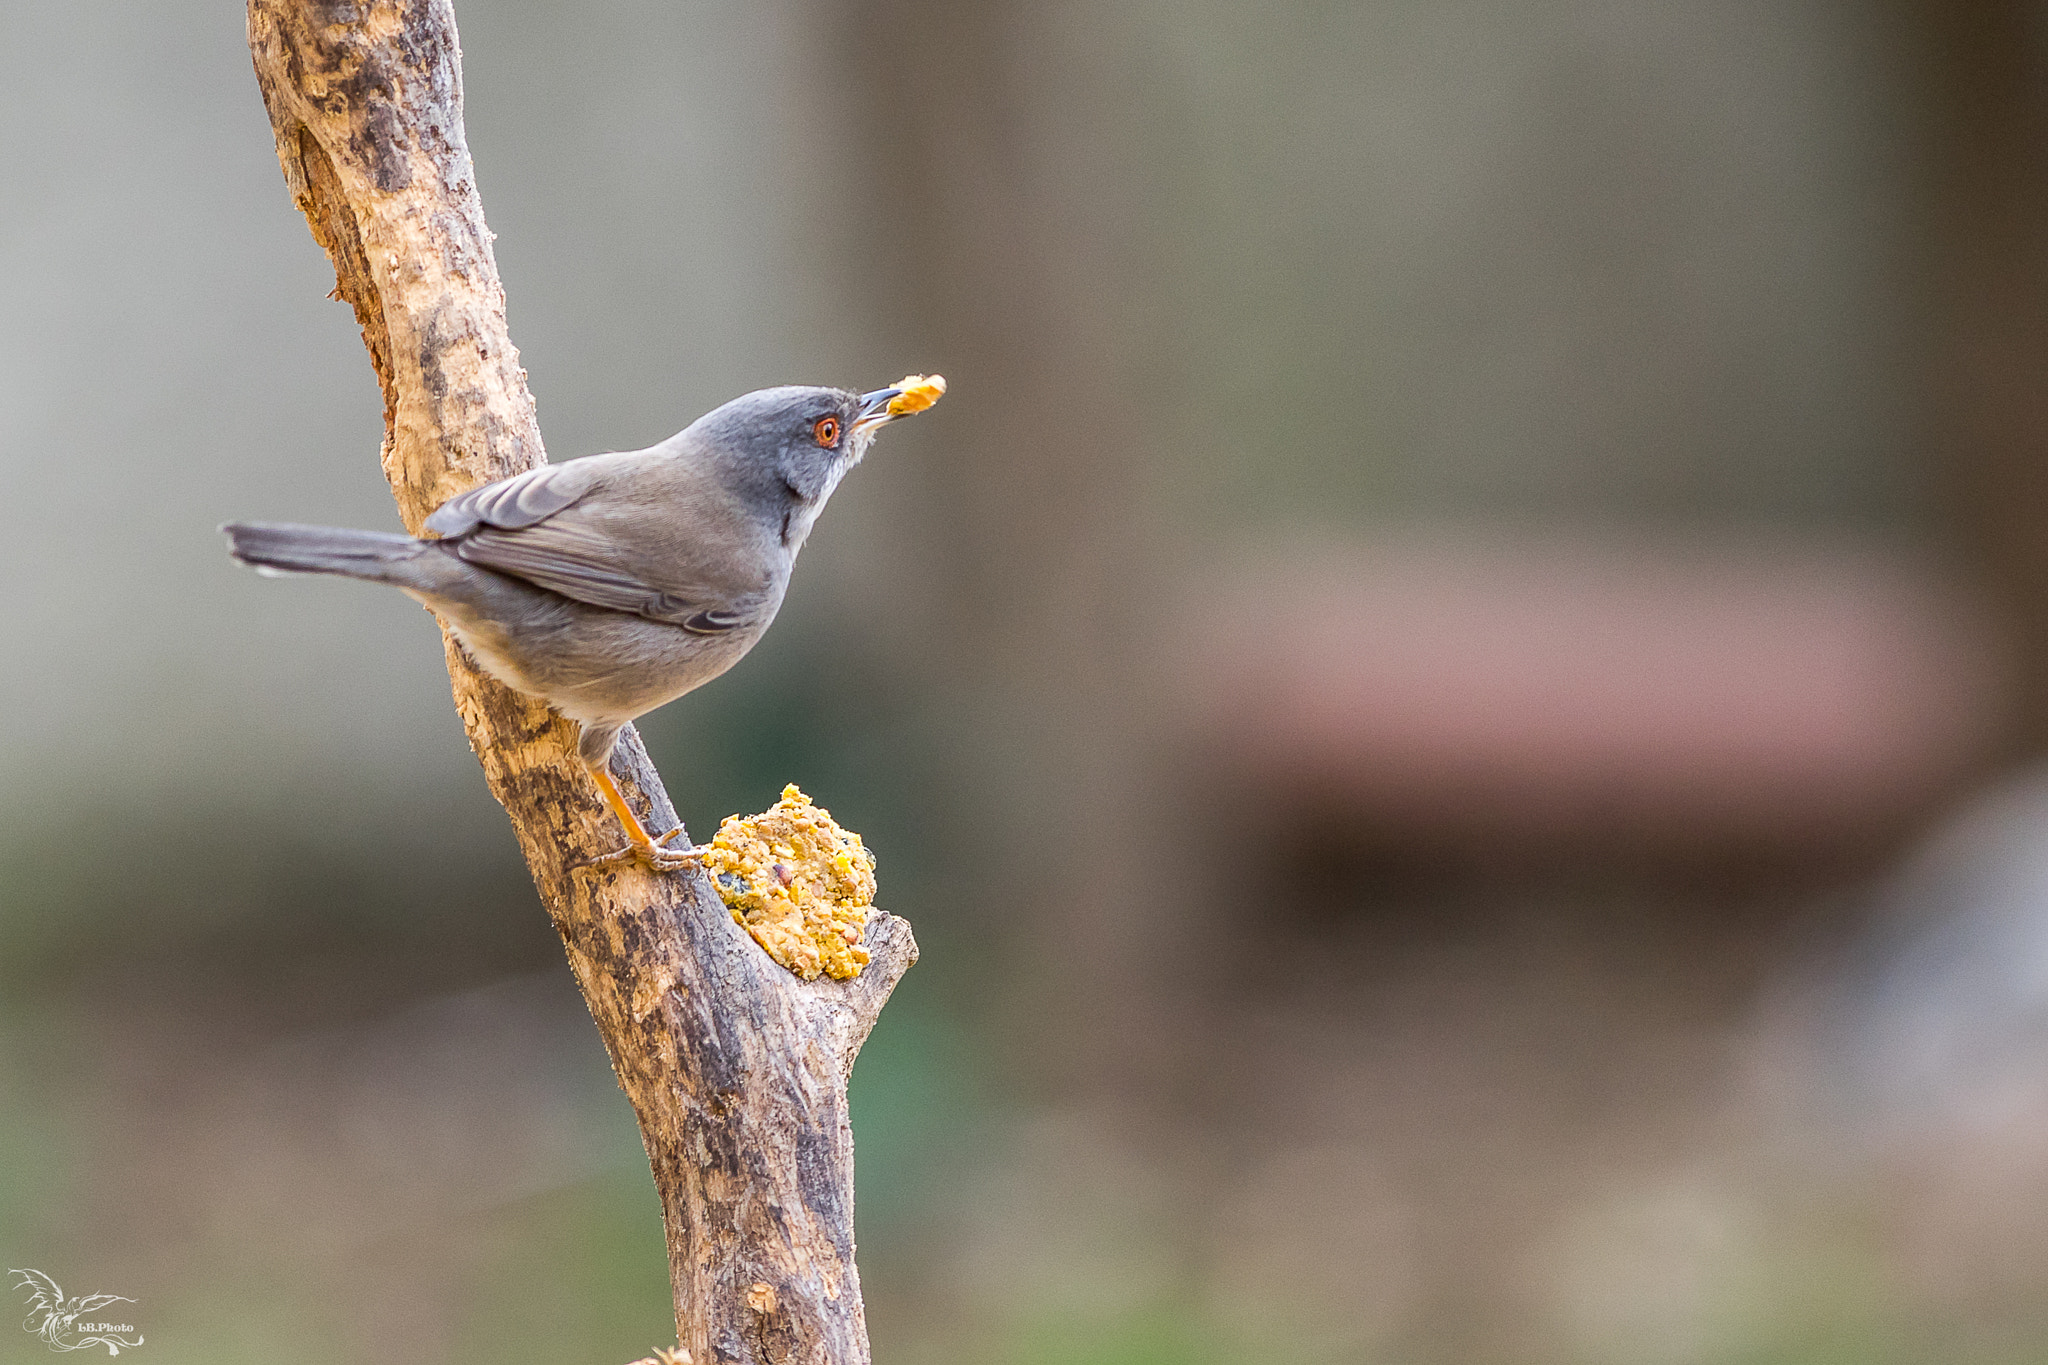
<point x="826" y="431"/>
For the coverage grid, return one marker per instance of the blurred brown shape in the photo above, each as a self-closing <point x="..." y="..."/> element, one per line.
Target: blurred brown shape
<point x="1568" y="690"/>
<point x="1987" y="265"/>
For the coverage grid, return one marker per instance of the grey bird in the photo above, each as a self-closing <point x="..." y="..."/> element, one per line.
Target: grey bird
<point x="609" y="585"/>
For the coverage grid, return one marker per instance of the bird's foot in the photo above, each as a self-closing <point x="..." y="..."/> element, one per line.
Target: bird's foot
<point x="651" y="853"/>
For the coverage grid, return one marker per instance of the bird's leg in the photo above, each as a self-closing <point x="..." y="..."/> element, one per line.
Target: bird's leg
<point x="643" y="847"/>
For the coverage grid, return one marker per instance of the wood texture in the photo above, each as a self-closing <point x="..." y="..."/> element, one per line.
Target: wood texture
<point x="736" y="1070"/>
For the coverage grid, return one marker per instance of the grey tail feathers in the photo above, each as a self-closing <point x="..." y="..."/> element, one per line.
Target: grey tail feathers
<point x="276" y="548"/>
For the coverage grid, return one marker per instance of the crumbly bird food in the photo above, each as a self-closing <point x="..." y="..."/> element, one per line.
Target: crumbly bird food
<point x="920" y="391"/>
<point x="801" y="885"/>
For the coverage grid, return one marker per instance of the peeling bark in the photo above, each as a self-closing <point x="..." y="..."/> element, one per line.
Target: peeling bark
<point x="736" y="1070"/>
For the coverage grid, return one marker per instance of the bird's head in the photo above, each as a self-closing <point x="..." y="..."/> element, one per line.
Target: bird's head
<point x="788" y="447"/>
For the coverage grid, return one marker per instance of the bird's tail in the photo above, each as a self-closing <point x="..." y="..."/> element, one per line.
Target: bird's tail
<point x="275" y="548"/>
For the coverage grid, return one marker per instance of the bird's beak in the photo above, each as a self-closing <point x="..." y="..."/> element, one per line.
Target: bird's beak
<point x="874" y="409"/>
<point x="911" y="394"/>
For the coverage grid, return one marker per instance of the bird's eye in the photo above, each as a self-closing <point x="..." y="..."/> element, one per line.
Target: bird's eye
<point x="826" y="431"/>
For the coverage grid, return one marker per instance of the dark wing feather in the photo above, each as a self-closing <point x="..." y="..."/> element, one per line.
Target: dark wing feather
<point x="522" y="500"/>
<point x="714" y="622"/>
<point x="571" y="560"/>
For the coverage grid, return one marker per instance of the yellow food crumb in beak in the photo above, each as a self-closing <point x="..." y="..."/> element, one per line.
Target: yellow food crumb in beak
<point x="800" y="884"/>
<point x="920" y="391"/>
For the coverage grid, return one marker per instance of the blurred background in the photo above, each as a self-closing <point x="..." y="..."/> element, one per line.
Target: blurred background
<point x="1455" y="694"/>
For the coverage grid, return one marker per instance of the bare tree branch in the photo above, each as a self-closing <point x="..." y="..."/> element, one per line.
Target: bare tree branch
<point x="736" y="1069"/>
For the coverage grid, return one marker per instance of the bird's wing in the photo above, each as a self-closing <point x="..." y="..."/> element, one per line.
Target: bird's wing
<point x="522" y="500"/>
<point x="637" y="531"/>
<point x="573" y="558"/>
<point x="43" y="1291"/>
<point x="96" y="1301"/>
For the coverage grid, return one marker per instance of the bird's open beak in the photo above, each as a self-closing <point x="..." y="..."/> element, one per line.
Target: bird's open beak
<point x="912" y="393"/>
<point x="874" y="409"/>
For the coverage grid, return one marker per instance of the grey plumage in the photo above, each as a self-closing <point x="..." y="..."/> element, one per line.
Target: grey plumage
<point x="611" y="584"/>
<point x="285" y="548"/>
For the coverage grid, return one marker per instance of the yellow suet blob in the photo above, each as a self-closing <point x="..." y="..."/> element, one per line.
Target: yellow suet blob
<point x="801" y="885"/>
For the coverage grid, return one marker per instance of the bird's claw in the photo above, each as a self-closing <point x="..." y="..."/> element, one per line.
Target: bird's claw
<point x="652" y="854"/>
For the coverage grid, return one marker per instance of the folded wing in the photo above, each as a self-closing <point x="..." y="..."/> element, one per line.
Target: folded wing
<point x="521" y="500"/>
<point x="557" y="527"/>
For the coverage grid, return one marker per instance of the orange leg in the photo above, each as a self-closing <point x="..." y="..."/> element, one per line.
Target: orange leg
<point x="642" y="846"/>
